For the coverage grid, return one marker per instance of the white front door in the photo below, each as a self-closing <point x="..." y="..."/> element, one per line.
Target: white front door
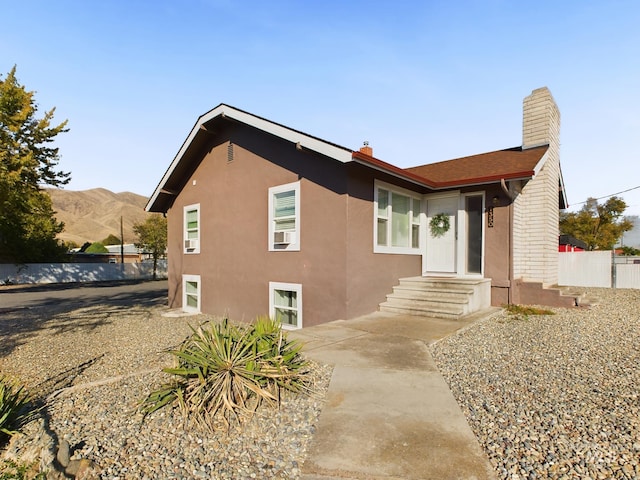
<point x="441" y="246"/>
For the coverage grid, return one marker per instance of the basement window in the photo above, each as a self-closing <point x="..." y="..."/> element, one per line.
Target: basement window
<point x="191" y="293"/>
<point x="285" y="304"/>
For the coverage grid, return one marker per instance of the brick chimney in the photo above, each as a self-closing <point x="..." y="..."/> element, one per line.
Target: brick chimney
<point x="536" y="208"/>
<point x="540" y="120"/>
<point x="366" y="149"/>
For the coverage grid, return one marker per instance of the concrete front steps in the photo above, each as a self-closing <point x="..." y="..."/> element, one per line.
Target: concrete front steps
<point x="440" y="297"/>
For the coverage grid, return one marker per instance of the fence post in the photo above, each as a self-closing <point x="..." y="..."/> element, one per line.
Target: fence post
<point x="613" y="268"/>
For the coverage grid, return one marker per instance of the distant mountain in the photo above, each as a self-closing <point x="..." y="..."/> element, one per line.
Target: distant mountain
<point x="92" y="215"/>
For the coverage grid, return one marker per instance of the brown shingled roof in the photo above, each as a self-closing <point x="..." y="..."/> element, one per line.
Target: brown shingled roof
<point x="510" y="163"/>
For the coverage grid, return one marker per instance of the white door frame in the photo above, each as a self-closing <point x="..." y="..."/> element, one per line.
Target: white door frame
<point x="461" y="234"/>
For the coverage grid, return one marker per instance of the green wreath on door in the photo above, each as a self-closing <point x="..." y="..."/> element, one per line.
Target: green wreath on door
<point x="439" y="225"/>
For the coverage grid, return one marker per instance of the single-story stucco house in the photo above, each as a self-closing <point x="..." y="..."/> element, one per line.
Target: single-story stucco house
<point x="266" y="219"/>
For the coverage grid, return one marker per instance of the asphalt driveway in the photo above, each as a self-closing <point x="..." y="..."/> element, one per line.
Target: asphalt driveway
<point x="73" y="295"/>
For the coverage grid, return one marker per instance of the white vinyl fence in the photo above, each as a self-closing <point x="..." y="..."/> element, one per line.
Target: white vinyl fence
<point x="598" y="269"/>
<point x="628" y="275"/>
<point x="79" y="272"/>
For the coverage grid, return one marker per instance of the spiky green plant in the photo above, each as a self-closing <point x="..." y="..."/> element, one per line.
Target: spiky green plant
<point x="14" y="411"/>
<point x="230" y="369"/>
<point x="279" y="359"/>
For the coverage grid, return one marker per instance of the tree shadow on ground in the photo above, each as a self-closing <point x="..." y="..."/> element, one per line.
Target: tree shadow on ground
<point x="81" y="309"/>
<point x="62" y="380"/>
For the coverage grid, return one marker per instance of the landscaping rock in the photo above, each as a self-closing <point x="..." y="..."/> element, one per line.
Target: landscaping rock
<point x="553" y="396"/>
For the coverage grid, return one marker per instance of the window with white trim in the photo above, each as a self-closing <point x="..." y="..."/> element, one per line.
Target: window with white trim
<point x="191" y="288"/>
<point x="397" y="217"/>
<point x="284" y="217"/>
<point x="285" y="304"/>
<point x="192" y="228"/>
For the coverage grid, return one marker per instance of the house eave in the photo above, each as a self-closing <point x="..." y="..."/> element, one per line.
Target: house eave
<point x="562" y="193"/>
<point x="471" y="182"/>
<point x="381" y="166"/>
<point x="540" y="163"/>
<point x="168" y="187"/>
<point x="403" y="174"/>
<point x="564" y="203"/>
<point x="300" y="139"/>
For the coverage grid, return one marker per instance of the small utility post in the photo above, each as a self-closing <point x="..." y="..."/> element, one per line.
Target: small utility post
<point x="614" y="280"/>
<point x="121" y="241"/>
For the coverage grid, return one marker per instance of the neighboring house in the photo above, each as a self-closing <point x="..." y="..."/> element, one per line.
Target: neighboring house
<point x="263" y="218"/>
<point x="131" y="254"/>
<point x="567" y="243"/>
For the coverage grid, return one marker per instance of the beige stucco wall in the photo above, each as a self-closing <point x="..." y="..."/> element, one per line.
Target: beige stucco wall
<point x="340" y="276"/>
<point x="370" y="276"/>
<point x="234" y="262"/>
<point x="497" y="244"/>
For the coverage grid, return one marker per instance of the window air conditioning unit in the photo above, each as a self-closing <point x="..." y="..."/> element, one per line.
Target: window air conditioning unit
<point x="191" y="244"/>
<point x="283" y="238"/>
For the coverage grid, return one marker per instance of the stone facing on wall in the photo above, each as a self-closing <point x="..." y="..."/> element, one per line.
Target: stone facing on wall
<point x="536" y="219"/>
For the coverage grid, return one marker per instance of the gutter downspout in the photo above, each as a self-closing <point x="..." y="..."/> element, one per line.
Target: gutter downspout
<point x="505" y="189"/>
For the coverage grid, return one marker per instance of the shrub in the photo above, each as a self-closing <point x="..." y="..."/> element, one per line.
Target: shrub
<point x="527" y="310"/>
<point x="10" y="470"/>
<point x="230" y="369"/>
<point x="14" y="411"/>
<point x="523" y="312"/>
<point x="96" y="247"/>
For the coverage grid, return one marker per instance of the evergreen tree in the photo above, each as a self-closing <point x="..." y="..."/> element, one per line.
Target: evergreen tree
<point x="111" y="240"/>
<point x="28" y="162"/>
<point x="152" y="237"/>
<point x="96" y="247"/>
<point x="600" y="226"/>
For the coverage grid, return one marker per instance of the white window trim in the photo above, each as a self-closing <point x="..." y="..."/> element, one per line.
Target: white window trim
<point x="191" y="278"/>
<point x="195" y="206"/>
<point x="294" y="246"/>
<point x="377" y="184"/>
<point x="292" y="287"/>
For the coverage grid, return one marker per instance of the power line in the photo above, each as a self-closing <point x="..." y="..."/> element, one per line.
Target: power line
<point x="607" y="196"/>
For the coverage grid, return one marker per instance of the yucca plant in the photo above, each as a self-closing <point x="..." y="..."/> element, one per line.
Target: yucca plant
<point x="278" y="358"/>
<point x="230" y="370"/>
<point x="14" y="411"/>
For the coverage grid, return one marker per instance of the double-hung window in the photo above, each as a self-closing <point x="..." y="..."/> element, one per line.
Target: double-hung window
<point x="191" y="293"/>
<point x="285" y="304"/>
<point x="284" y="217"/>
<point x="192" y="229"/>
<point x="397" y="219"/>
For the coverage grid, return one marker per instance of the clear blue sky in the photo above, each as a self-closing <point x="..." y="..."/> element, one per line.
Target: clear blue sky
<point x="422" y="81"/>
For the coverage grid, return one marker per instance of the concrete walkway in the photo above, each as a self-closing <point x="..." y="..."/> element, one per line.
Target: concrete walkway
<point x="389" y="413"/>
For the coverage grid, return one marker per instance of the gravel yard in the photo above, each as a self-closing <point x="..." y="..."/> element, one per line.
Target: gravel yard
<point x="547" y="396"/>
<point x="553" y="396"/>
<point x="97" y="363"/>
